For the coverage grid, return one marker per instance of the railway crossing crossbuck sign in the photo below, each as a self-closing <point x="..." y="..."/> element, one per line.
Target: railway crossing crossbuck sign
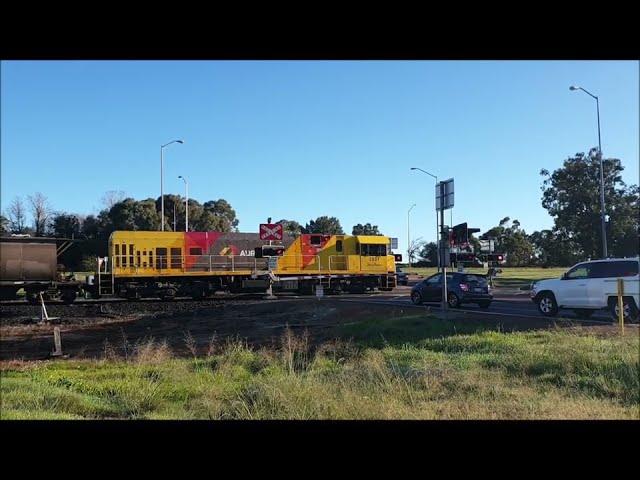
<point x="270" y="231"/>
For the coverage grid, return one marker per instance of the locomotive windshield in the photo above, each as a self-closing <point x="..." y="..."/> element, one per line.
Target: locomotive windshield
<point x="373" y="250"/>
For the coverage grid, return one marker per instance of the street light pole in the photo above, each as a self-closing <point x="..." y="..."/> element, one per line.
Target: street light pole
<point x="409" y="236"/>
<point x="162" y="179"/>
<point x="186" y="207"/>
<point x="602" y="210"/>
<point x="437" y="238"/>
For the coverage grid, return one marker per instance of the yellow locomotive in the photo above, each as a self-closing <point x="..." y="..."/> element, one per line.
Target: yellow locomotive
<point x="167" y="264"/>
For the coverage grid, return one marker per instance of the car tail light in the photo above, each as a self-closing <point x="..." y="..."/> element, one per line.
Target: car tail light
<point x="464" y="287"/>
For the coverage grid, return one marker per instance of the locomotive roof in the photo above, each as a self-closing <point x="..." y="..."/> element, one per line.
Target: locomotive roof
<point x="373" y="239"/>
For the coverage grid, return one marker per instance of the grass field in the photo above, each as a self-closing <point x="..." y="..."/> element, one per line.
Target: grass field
<point x="410" y="367"/>
<point x="510" y="277"/>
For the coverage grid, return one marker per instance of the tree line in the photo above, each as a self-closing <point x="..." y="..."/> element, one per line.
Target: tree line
<point x="124" y="213"/>
<point x="571" y="196"/>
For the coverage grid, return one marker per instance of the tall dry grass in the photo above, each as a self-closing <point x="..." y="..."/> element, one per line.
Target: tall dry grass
<point x="491" y="375"/>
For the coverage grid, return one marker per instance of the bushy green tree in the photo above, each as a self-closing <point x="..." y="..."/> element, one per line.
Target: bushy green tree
<point x="130" y="214"/>
<point x="366" y="229"/>
<point x="551" y="249"/>
<point x="324" y="224"/>
<point x="65" y="225"/>
<point x="512" y="240"/>
<point x="227" y="221"/>
<point x="429" y="253"/>
<point x="290" y="227"/>
<point x="571" y="195"/>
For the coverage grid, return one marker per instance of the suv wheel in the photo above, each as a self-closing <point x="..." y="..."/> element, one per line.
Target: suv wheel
<point x="629" y="309"/>
<point x="547" y="305"/>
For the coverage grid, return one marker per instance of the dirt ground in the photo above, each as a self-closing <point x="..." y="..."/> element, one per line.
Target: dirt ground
<point x="88" y="331"/>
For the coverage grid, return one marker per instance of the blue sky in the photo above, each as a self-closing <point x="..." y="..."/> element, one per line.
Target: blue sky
<point x="301" y="139"/>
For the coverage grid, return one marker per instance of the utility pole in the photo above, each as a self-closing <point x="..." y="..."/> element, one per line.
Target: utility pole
<point x="442" y="250"/>
<point x="602" y="210"/>
<point x="162" y="180"/>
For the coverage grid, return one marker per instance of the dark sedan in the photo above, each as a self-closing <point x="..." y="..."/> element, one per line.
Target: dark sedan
<point x="461" y="288"/>
<point x="403" y="278"/>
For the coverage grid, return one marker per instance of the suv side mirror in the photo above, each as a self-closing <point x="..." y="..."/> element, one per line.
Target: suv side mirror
<point x="564" y="276"/>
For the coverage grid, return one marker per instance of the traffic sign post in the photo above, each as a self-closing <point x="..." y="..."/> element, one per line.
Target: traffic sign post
<point x="444" y="201"/>
<point x="273" y="263"/>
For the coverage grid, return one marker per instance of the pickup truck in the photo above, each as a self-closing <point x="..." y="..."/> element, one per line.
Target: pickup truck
<point x="591" y="286"/>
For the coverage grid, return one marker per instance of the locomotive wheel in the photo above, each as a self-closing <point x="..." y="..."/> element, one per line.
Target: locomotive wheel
<point x="198" y="293"/>
<point x="167" y="295"/>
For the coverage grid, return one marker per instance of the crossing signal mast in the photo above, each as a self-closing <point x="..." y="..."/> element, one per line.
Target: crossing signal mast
<point x="459" y="238"/>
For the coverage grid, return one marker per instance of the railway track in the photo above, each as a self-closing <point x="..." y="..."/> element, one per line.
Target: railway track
<point x="223" y="297"/>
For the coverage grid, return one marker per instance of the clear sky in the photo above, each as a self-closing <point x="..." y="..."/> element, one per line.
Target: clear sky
<point x="300" y="139"/>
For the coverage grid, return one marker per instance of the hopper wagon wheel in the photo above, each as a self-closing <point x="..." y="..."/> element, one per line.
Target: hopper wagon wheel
<point x="68" y="296"/>
<point x="33" y="298"/>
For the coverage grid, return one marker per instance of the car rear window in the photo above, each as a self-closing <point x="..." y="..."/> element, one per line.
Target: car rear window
<point x="614" y="269"/>
<point x="475" y="279"/>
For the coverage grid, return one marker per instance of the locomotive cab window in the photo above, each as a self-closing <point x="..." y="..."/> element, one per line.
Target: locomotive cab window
<point x="339" y="246"/>
<point x="316" y="240"/>
<point x="373" y="250"/>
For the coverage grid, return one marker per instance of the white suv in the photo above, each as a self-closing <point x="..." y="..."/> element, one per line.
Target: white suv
<point x="591" y="286"/>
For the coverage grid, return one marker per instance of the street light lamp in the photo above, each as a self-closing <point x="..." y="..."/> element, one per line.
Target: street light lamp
<point x="409" y="236"/>
<point x="186" y="220"/>
<point x="602" y="211"/>
<point x="436" y="178"/>
<point x="162" y="179"/>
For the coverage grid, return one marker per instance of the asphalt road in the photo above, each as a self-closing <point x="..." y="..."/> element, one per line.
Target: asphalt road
<point x="505" y="303"/>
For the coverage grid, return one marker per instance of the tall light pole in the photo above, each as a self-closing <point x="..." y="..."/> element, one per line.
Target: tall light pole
<point x="162" y="178"/>
<point x="409" y="236"/>
<point x="437" y="238"/>
<point x="186" y="219"/>
<point x="602" y="211"/>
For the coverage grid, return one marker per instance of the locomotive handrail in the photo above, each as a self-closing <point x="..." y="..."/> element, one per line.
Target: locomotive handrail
<point x="169" y="264"/>
<point x="346" y="262"/>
